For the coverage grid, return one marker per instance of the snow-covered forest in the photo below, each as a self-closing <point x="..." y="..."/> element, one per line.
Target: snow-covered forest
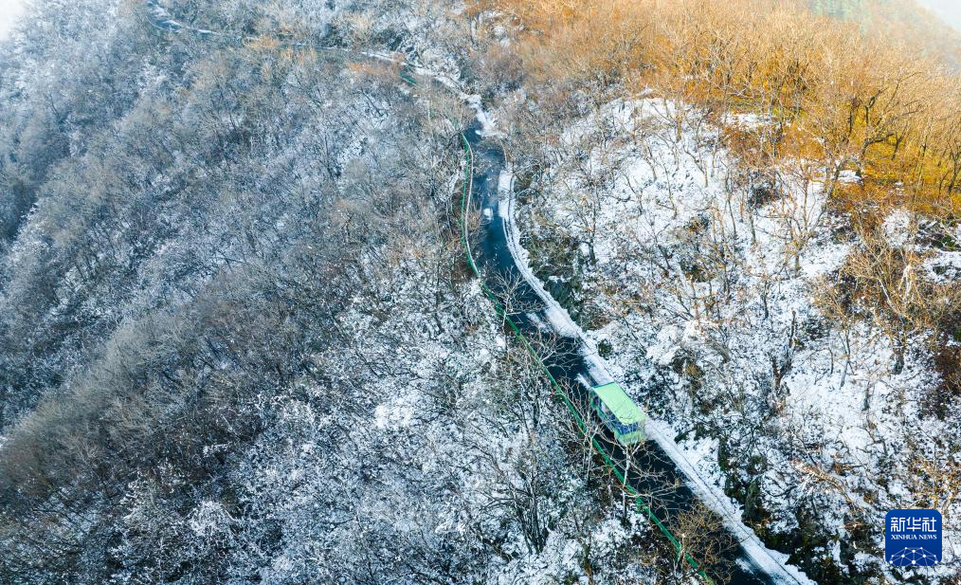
<point x="240" y="342"/>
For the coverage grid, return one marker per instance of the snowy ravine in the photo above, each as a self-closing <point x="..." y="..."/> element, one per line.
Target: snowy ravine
<point x="497" y="200"/>
<point x="705" y="296"/>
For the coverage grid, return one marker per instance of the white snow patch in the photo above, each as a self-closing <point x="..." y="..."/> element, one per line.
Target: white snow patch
<point x="944" y="266"/>
<point x="848" y="176"/>
<point x="897" y="227"/>
<point x="394" y="414"/>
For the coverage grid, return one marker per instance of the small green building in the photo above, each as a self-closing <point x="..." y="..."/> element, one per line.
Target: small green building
<point x="619" y="413"/>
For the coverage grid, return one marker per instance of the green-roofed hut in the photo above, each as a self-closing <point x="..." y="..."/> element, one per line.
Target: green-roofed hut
<point x="619" y="413"/>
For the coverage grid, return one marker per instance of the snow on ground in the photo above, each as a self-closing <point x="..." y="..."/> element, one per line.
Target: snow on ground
<point x="557" y="315"/>
<point x="710" y="492"/>
<point x="709" y="302"/>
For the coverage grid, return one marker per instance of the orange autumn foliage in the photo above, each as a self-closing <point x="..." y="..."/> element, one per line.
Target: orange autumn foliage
<point x="847" y="99"/>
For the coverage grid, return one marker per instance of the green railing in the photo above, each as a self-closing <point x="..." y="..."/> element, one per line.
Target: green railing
<point x="558" y="389"/>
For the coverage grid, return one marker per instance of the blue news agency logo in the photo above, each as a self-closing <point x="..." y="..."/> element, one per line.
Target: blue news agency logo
<point x="912" y="538"/>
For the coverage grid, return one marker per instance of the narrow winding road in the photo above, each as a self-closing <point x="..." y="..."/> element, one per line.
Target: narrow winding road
<point x="651" y="469"/>
<point x="655" y="471"/>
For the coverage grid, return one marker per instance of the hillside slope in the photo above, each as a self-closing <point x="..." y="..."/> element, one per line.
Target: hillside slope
<point x="239" y="342"/>
<point x="727" y="202"/>
<point x="905" y="20"/>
